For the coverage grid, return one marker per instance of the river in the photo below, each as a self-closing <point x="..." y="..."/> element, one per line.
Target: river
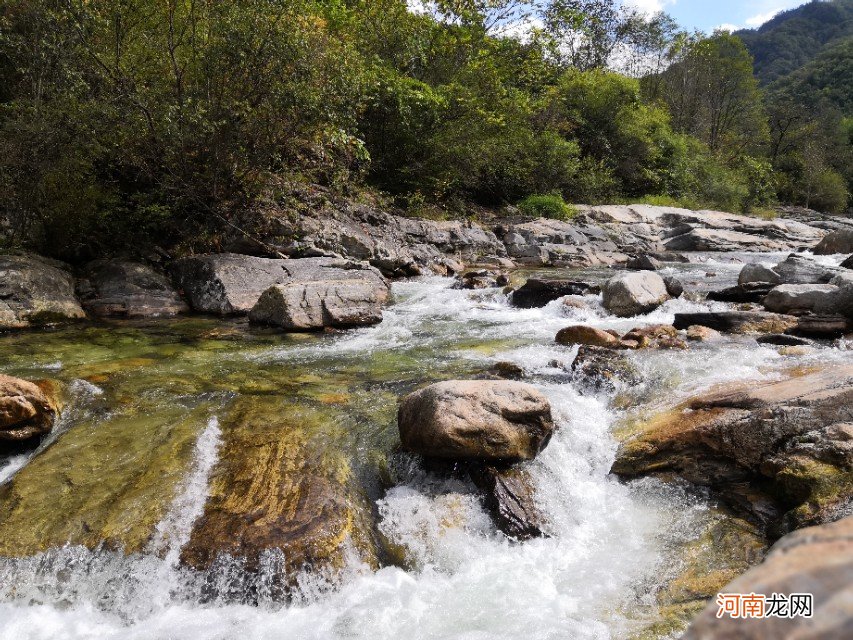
<point x="146" y="425"/>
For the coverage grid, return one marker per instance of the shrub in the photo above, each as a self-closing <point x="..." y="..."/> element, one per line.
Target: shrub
<point x="547" y="206"/>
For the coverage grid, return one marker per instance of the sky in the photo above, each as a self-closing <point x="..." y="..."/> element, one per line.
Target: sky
<point x="708" y="15"/>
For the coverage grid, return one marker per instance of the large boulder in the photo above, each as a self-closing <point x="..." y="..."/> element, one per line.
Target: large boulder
<point x="796" y="269"/>
<point x="231" y="284"/>
<point x="816" y="561"/>
<point x="352" y="301"/>
<point x="129" y="290"/>
<point x="840" y="241"/>
<point x="26" y="413"/>
<point x="493" y="421"/>
<point x="538" y="292"/>
<point x="35" y="291"/>
<point x="788" y="298"/>
<point x="787" y="441"/>
<point x="632" y="294"/>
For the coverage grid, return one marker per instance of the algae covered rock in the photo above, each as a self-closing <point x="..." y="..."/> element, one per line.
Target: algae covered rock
<point x="786" y="439"/>
<point x="35" y="291"/>
<point x="476" y="420"/>
<point x="279" y="486"/>
<point x="26" y="413"/>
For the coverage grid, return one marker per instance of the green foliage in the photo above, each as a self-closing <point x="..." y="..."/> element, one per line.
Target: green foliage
<point x="547" y="206"/>
<point x="128" y="124"/>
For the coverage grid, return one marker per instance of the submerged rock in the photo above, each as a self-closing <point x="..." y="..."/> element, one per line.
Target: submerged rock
<point x="656" y="336"/>
<point x="129" y="290"/>
<point x="738" y="322"/>
<point x="816" y="561"/>
<point x="840" y="241"/>
<point x="774" y="436"/>
<point x="537" y="292"/>
<point x="604" y="368"/>
<point x="632" y="294"/>
<point x="476" y="420"/>
<point x="279" y="487"/>
<point x="347" y="298"/>
<point x="508" y="495"/>
<point x="35" y="291"/>
<point x="698" y="333"/>
<point x="27" y="413"/>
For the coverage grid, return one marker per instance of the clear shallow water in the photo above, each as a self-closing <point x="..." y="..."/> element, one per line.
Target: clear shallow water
<point x="612" y="544"/>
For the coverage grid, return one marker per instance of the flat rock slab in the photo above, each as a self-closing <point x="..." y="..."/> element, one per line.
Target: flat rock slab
<point x="231" y="284"/>
<point x="35" y="291"/>
<point x="119" y="288"/>
<point x="738" y="322"/>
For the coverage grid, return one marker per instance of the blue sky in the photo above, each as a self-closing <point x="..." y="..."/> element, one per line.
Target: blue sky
<point x="709" y="14"/>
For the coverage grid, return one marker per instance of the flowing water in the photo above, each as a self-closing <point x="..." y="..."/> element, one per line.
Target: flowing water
<point x="127" y="474"/>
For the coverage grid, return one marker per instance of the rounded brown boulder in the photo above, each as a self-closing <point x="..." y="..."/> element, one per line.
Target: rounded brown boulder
<point x="26" y="412"/>
<point x="591" y="336"/>
<point x="489" y="420"/>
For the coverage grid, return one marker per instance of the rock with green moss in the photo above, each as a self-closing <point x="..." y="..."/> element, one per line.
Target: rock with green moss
<point x="35" y="291"/>
<point x="786" y="440"/>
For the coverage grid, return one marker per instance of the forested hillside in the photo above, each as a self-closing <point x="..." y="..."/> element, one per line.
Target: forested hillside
<point x="828" y="79"/>
<point x="796" y="37"/>
<point x="128" y="124"/>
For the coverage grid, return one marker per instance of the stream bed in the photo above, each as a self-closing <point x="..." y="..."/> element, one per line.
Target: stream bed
<point x="96" y="525"/>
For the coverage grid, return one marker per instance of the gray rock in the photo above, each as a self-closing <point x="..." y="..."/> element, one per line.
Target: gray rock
<point x="674" y="286"/>
<point x="484" y="420"/>
<point x="848" y="263"/>
<point x="35" y="291"/>
<point x="336" y="303"/>
<point x="797" y="269"/>
<point x="129" y="290"/>
<point x="538" y="292"/>
<point x="508" y="494"/>
<point x="604" y="368"/>
<point x="643" y="263"/>
<point x="840" y="241"/>
<point x="631" y="294"/>
<point x="757" y="273"/>
<point x="832" y="326"/>
<point x="721" y="240"/>
<point x="481" y="279"/>
<point x="231" y="284"/>
<point x="816" y="298"/>
<point x="750" y="292"/>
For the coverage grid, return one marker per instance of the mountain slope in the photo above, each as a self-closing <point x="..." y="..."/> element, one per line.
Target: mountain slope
<point x="828" y="79"/>
<point x="796" y="37"/>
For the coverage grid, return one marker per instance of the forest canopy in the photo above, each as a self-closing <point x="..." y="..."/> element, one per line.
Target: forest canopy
<point x="142" y="121"/>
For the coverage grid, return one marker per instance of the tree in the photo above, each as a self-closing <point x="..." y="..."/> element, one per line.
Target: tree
<point x="713" y="95"/>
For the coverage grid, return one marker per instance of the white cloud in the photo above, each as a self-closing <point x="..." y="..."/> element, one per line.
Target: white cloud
<point x="650" y="6"/>
<point x="761" y="18"/>
<point x="727" y="27"/>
